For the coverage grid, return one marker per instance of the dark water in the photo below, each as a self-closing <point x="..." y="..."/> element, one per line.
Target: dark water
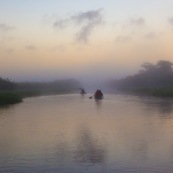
<point x="74" y="134"/>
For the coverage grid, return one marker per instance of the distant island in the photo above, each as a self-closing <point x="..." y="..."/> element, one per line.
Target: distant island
<point x="13" y="92"/>
<point x="152" y="79"/>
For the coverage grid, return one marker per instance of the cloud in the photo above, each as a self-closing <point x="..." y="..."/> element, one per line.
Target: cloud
<point x="4" y="27"/>
<point x="62" y="23"/>
<point x="123" y="39"/>
<point x="171" y="20"/>
<point x="134" y="24"/>
<point x="10" y="50"/>
<point x="87" y="21"/>
<point x="137" y="21"/>
<point x="84" y="33"/>
<point x="31" y="47"/>
<point x="150" y="35"/>
<point x="90" y="16"/>
<point x="93" y="18"/>
<point x="7" y="50"/>
<point x="60" y="48"/>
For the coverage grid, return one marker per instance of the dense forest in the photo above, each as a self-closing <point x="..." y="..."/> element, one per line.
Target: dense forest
<point x="13" y="92"/>
<point x="6" y="85"/>
<point x="54" y="87"/>
<point x="155" y="79"/>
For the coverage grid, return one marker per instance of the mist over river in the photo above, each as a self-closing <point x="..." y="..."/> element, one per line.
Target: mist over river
<point x="75" y="134"/>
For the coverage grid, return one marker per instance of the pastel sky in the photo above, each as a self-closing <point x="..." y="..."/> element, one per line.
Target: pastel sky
<point x="52" y="39"/>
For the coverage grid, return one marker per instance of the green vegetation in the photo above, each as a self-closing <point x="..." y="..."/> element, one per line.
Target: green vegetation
<point x="9" y="98"/>
<point x="157" y="92"/>
<point x="154" y="80"/>
<point x="12" y="92"/>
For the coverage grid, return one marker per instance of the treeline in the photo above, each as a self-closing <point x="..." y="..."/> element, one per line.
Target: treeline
<point x="154" y="79"/>
<point x="13" y="92"/>
<point x="6" y="84"/>
<point x="7" y="94"/>
<point x="42" y="88"/>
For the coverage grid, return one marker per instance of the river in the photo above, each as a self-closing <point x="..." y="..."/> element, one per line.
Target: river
<point x="75" y="134"/>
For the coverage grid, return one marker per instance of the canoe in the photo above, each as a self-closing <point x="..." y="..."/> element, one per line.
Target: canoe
<point x="98" y="97"/>
<point x="82" y="93"/>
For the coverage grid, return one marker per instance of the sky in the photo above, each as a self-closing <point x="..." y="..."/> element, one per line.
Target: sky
<point x="95" y="39"/>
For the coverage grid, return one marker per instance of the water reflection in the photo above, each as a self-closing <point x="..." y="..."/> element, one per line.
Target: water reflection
<point x="162" y="106"/>
<point x="5" y="109"/>
<point x="68" y="134"/>
<point x="98" y="103"/>
<point x="140" y="149"/>
<point x="89" y="150"/>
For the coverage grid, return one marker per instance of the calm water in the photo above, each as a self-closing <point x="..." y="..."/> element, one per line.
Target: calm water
<point x="74" y="134"/>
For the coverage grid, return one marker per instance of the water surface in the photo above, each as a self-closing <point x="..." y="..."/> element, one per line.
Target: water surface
<point x="75" y="134"/>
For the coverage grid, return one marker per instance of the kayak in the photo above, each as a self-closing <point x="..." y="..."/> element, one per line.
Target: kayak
<point x="98" y="97"/>
<point x="82" y="93"/>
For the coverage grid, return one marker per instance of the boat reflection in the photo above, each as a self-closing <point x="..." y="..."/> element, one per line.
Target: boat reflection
<point x="98" y="103"/>
<point x="161" y="106"/>
<point x="89" y="150"/>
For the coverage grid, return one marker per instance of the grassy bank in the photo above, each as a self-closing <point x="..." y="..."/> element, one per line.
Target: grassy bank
<point x="12" y="92"/>
<point x="33" y="93"/>
<point x="16" y="96"/>
<point x="157" y="92"/>
<point x="9" y="98"/>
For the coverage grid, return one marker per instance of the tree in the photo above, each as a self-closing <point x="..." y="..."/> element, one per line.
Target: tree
<point x="165" y="66"/>
<point x="159" y="75"/>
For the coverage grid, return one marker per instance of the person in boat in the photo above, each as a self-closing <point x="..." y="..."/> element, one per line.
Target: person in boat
<point x="82" y="91"/>
<point x="98" y="94"/>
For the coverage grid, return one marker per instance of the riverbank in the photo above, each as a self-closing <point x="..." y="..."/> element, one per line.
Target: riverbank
<point x="17" y="96"/>
<point x="156" y="92"/>
<point x="14" y="92"/>
<point x="7" y="98"/>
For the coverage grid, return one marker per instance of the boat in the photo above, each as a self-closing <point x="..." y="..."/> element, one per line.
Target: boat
<point x="82" y="92"/>
<point x="98" y="95"/>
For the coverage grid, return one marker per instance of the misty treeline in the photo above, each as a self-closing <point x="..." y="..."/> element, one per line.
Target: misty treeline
<point x="68" y="85"/>
<point x="13" y="92"/>
<point x="158" y="76"/>
<point x="6" y="84"/>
